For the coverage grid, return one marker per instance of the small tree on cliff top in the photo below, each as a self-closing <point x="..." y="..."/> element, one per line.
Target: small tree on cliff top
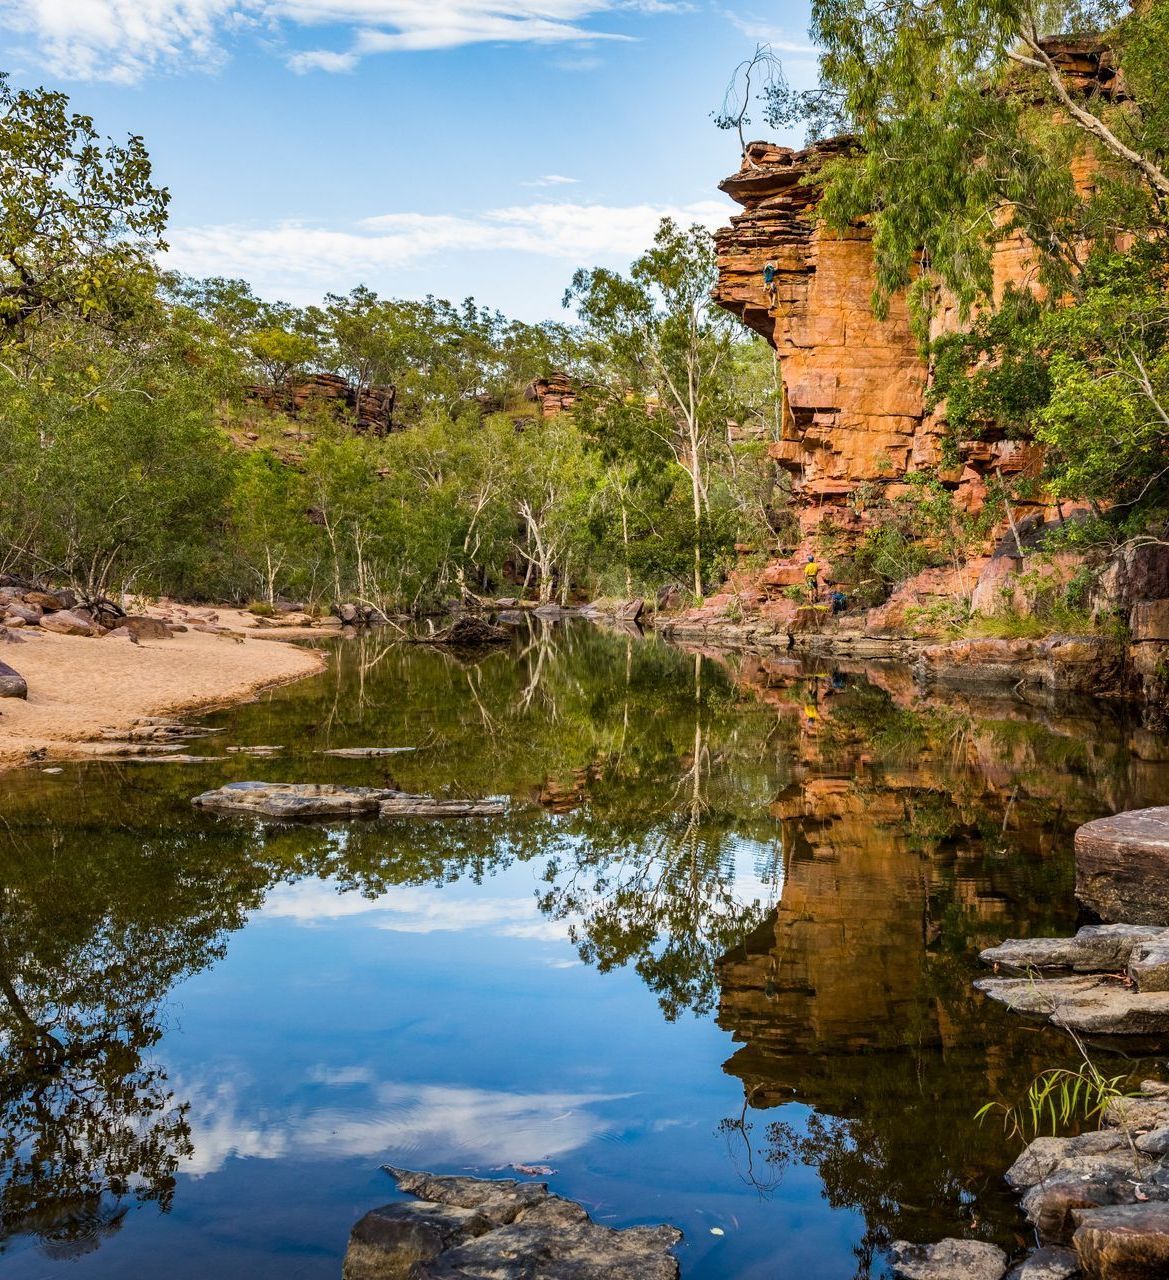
<point x="969" y="117"/>
<point x="662" y="345"/>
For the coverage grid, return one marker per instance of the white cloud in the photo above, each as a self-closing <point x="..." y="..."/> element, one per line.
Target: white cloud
<point x="415" y="909"/>
<point x="446" y="1124"/>
<point x="551" y="180"/>
<point x="766" y="32"/>
<point x="125" y="40"/>
<point x="299" y="261"/>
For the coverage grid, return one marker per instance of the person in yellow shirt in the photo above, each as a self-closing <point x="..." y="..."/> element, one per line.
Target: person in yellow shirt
<point x="812" y="578"/>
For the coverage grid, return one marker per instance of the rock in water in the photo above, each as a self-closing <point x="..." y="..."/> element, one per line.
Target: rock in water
<point x="1088" y="1005"/>
<point x="1122" y="866"/>
<point x="12" y="683"/>
<point x="294" y="799"/>
<point x="509" y="1230"/>
<point x="323" y="800"/>
<point x="1124" y="1242"/>
<point x="948" y="1260"/>
<point x="1050" y="1263"/>
<point x="1095" y="949"/>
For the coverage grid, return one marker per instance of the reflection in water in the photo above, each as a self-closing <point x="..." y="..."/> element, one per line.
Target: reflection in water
<point x="814" y="854"/>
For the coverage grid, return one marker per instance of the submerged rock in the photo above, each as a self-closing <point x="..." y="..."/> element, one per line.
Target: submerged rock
<point x="407" y="806"/>
<point x="948" y="1260"/>
<point x="1122" y="866"/>
<point x="464" y="1228"/>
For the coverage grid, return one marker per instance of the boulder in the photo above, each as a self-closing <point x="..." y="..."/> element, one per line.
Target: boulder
<point x="1094" y="949"/>
<point x="1052" y="1262"/>
<point x="948" y="1260"/>
<point x="67" y="623"/>
<point x="50" y="601"/>
<point x="630" y="610"/>
<point x="1124" y="1242"/>
<point x="144" y="627"/>
<point x="505" y="1229"/>
<point x="1122" y="866"/>
<point x="30" y="613"/>
<point x="12" y="683"/>
<point x="1088" y="1005"/>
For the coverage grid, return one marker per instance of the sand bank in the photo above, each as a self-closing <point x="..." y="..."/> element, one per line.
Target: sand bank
<point x="81" y="688"/>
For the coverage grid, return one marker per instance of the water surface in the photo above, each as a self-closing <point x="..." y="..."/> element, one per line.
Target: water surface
<point x="713" y="967"/>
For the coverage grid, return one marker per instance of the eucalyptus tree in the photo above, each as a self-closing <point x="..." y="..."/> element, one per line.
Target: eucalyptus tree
<point x="661" y="350"/>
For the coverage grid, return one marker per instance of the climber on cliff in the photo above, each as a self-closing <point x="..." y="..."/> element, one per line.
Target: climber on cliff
<point x="769" y="274"/>
<point x="812" y="578"/>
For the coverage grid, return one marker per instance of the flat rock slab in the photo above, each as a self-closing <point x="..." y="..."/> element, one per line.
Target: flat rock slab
<point x="1122" y="866"/>
<point x="948" y="1260"/>
<point x="1088" y="1005"/>
<point x="294" y="799"/>
<point x="1104" y="948"/>
<point x="470" y="1228"/>
<point x="307" y="800"/>
<point x="361" y="753"/>
<point x="1124" y="1242"/>
<point x="426" y="807"/>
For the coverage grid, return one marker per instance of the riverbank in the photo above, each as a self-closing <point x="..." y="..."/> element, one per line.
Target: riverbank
<point x="82" y="689"/>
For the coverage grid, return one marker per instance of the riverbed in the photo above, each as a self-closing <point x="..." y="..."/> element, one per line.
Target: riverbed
<point x="712" y="968"/>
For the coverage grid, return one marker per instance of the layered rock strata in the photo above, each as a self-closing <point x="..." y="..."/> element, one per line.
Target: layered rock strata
<point x="372" y="409"/>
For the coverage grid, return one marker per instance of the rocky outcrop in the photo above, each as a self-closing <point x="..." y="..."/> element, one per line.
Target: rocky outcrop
<point x="1122" y="866"/>
<point x="371" y="409"/>
<point x="553" y="395"/>
<point x="476" y="1227"/>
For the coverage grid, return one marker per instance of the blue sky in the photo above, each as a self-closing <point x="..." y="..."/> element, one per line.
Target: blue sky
<point x="483" y="147"/>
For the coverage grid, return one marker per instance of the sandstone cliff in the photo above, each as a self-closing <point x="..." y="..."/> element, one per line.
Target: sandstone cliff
<point x="855" y="384"/>
<point x="372" y="410"/>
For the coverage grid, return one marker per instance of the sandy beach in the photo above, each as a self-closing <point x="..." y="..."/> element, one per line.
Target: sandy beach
<point x="81" y="688"/>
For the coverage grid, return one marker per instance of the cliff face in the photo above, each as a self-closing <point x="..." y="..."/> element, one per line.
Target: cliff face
<point x="854" y="384"/>
<point x="372" y="411"/>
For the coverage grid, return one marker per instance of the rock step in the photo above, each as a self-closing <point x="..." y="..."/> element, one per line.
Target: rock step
<point x="1122" y="866"/>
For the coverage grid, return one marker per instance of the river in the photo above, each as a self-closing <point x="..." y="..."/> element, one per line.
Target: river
<point x="713" y="968"/>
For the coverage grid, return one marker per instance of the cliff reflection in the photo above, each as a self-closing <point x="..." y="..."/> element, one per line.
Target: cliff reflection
<point x="815" y="853"/>
<point x="913" y="836"/>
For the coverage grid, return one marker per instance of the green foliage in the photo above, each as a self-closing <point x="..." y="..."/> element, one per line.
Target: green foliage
<point x="78" y="221"/>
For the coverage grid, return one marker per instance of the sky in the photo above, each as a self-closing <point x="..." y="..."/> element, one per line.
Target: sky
<point x="455" y="147"/>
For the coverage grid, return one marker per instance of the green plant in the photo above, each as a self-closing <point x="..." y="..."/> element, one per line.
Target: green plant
<point x="1057" y="1098"/>
<point x="262" y="609"/>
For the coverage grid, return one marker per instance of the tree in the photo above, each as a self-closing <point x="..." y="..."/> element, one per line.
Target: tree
<point x="968" y="119"/>
<point x="78" y="220"/>
<point x="661" y="348"/>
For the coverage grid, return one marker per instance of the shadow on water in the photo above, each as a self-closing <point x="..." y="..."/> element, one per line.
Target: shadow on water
<point x="812" y="858"/>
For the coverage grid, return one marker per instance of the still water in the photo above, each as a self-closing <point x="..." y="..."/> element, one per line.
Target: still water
<point x="713" y="967"/>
